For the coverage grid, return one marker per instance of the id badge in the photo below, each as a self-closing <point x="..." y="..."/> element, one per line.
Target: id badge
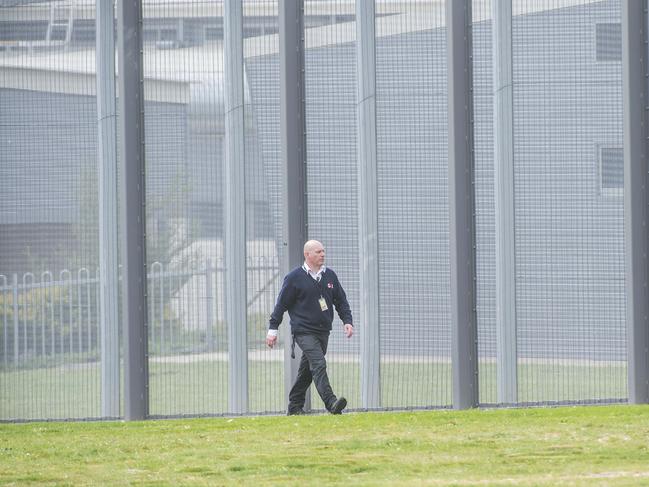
<point x="323" y="304"/>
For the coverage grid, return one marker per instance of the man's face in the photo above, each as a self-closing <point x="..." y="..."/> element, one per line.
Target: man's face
<point x="315" y="257"/>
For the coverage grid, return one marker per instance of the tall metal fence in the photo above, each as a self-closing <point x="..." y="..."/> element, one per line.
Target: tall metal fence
<point x="372" y="99"/>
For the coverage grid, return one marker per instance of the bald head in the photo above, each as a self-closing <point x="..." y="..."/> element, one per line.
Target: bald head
<point x="311" y="245"/>
<point x="314" y="254"/>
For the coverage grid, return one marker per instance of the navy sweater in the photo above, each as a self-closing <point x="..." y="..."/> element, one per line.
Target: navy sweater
<point x="299" y="296"/>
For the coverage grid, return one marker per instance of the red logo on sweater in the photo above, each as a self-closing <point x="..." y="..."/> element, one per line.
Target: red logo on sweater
<point x="330" y="285"/>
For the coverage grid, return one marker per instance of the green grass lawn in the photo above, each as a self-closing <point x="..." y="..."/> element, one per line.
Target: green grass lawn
<point x="605" y="445"/>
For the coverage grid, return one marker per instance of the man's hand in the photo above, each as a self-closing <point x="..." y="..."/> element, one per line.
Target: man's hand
<point x="271" y="340"/>
<point x="349" y="330"/>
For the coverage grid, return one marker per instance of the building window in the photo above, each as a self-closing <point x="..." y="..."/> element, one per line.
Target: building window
<point x="214" y="33"/>
<point x="608" y="42"/>
<point x="168" y="35"/>
<point x="149" y="35"/>
<point x="611" y="171"/>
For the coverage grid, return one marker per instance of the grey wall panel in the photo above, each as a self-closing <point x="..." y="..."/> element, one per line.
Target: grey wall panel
<point x="46" y="142"/>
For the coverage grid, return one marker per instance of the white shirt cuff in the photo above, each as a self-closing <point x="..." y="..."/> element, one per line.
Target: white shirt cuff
<point x="272" y="333"/>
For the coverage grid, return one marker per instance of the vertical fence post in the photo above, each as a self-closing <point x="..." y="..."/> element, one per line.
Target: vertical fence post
<point x="461" y="205"/>
<point x="209" y="314"/>
<point x="70" y="312"/>
<point x="47" y="287"/>
<point x="61" y="314"/>
<point x="293" y="142"/>
<point x="108" y="272"/>
<point x="89" y="312"/>
<point x="28" y="286"/>
<point x="235" y="208"/>
<point x="43" y="311"/>
<point x="14" y="289"/>
<point x="52" y="321"/>
<point x="161" y="295"/>
<point x="5" y="331"/>
<point x="132" y="210"/>
<point x="151" y="280"/>
<point x="79" y="312"/>
<point x="635" y="98"/>
<point x="368" y="200"/>
<point x="507" y="376"/>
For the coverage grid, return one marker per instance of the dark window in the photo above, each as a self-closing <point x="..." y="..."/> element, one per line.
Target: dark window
<point x="150" y="35"/>
<point x="168" y="35"/>
<point x="608" y="42"/>
<point x="611" y="170"/>
<point x="58" y="33"/>
<point x="213" y="33"/>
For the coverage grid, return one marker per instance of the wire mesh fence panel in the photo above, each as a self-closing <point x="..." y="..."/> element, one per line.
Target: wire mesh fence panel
<point x="412" y="149"/>
<point x="48" y="225"/>
<point x="570" y="303"/>
<point x="569" y="215"/>
<point x="263" y="214"/>
<point x="184" y="134"/>
<point x="189" y="218"/>
<point x="568" y="284"/>
<point x="330" y="65"/>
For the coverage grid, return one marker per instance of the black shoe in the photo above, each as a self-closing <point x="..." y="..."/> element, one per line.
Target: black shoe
<point x="338" y="406"/>
<point x="296" y="412"/>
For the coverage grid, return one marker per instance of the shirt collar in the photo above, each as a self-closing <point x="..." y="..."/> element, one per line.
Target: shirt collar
<point x="314" y="275"/>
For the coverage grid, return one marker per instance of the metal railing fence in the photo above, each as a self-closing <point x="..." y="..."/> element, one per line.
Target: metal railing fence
<point x="48" y="319"/>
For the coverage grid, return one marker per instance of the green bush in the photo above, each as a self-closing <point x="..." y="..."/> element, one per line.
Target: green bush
<point x="45" y="323"/>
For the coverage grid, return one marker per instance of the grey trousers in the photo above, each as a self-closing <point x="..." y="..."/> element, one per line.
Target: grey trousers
<point x="313" y="366"/>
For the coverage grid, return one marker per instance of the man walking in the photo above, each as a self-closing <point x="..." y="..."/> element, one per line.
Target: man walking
<point x="309" y="294"/>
